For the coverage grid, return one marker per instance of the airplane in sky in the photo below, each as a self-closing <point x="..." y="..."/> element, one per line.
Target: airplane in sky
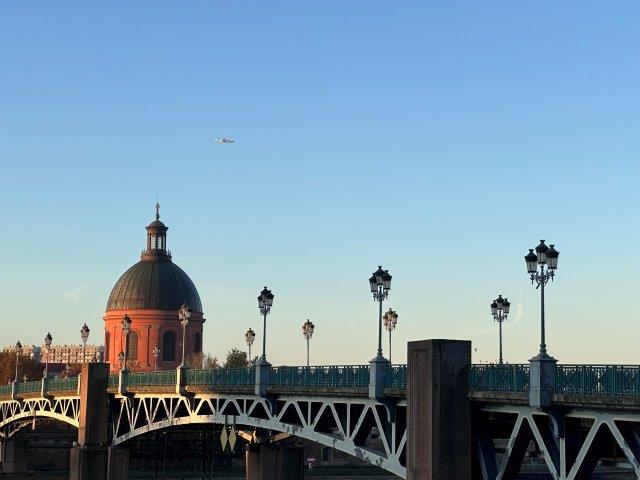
<point x="224" y="140"/>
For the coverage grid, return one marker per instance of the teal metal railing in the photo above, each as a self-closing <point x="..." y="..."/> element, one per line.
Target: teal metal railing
<point x="218" y="377"/>
<point x="618" y="380"/>
<point x="62" y="384"/>
<point x="397" y="376"/>
<point x="151" y="379"/>
<point x="113" y="380"/>
<point x="345" y="376"/>
<point x="5" y="389"/>
<point x="499" y="378"/>
<point x="29" y="387"/>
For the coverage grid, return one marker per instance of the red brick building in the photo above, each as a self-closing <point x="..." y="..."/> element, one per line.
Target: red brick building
<point x="151" y="292"/>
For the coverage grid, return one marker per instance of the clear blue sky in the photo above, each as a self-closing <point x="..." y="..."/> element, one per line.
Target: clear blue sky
<point x="439" y="139"/>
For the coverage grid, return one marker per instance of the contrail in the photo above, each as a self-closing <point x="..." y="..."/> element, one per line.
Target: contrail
<point x="519" y="314"/>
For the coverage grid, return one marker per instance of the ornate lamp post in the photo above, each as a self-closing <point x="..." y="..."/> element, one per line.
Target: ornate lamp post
<point x="18" y="353"/>
<point x="250" y="337"/>
<point x="84" y="334"/>
<point x="390" y="321"/>
<point x="126" y="329"/>
<point x="265" y="302"/>
<point x="156" y="354"/>
<point x="307" y="331"/>
<point x="500" y="312"/>
<point x="47" y="344"/>
<point x="541" y="267"/>
<point x="184" y="313"/>
<point x="380" y="283"/>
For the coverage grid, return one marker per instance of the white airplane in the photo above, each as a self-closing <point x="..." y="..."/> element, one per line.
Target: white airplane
<point x="224" y="140"/>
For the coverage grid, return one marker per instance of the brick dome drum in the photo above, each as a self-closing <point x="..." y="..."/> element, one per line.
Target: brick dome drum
<point x="156" y="284"/>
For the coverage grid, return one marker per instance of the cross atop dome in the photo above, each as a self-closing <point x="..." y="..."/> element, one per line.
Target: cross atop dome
<point x="157" y="211"/>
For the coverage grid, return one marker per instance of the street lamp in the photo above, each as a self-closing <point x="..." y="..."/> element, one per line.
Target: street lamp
<point x="380" y="283"/>
<point x="126" y="328"/>
<point x="265" y="302"/>
<point x="307" y="331"/>
<point x="250" y="337"/>
<point x="84" y="334"/>
<point x="156" y="354"/>
<point x="47" y="343"/>
<point x="500" y="312"/>
<point x="184" y="313"/>
<point x="390" y="321"/>
<point x="544" y="257"/>
<point x="18" y="353"/>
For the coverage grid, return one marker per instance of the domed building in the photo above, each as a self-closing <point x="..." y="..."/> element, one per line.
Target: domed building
<point x="150" y="293"/>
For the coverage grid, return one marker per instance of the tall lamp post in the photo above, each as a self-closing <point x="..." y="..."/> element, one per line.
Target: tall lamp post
<point x="184" y="313"/>
<point x="307" y="331"/>
<point x="500" y="312"/>
<point x="250" y="337"/>
<point x="84" y="334"/>
<point x="380" y="283"/>
<point x="18" y="353"/>
<point x="265" y="302"/>
<point x="48" y="339"/>
<point x="541" y="267"/>
<point x="390" y="321"/>
<point x="126" y="329"/>
<point x="156" y="354"/>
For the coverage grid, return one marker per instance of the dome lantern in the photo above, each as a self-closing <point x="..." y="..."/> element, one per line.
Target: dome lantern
<point x="156" y="239"/>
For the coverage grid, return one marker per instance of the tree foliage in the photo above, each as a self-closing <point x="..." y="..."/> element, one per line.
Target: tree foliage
<point x="26" y="366"/>
<point x="236" y="359"/>
<point x="210" y="362"/>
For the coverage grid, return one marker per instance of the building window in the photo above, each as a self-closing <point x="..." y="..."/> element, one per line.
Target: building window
<point x="197" y="348"/>
<point x="168" y="347"/>
<point x="132" y="347"/>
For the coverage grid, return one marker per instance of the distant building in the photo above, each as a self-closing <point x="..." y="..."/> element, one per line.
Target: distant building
<point x="62" y="354"/>
<point x="32" y="351"/>
<point x="72" y="353"/>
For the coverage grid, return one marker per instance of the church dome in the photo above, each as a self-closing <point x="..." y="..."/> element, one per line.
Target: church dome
<point x="155" y="282"/>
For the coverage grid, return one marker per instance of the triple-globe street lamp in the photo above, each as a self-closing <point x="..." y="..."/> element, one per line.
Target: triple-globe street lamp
<point x="126" y="329"/>
<point x="307" y="331"/>
<point x="500" y="312"/>
<point x="380" y="284"/>
<point x="156" y="354"/>
<point x="265" y="302"/>
<point x="390" y="321"/>
<point x="48" y="339"/>
<point x="18" y="353"/>
<point x="84" y="335"/>
<point x="184" y="313"/>
<point x="250" y="337"/>
<point x="541" y="267"/>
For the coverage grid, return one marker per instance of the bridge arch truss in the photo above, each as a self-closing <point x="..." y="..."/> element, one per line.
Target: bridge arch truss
<point x="21" y="412"/>
<point x="341" y="423"/>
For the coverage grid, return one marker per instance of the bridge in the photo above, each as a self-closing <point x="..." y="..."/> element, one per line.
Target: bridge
<point x="439" y="416"/>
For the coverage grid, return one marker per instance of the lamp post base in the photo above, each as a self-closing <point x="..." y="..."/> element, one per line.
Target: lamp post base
<point x="542" y="379"/>
<point x="379" y="369"/>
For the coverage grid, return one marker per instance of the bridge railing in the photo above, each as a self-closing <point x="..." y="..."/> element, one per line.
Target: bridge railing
<point x="499" y="377"/>
<point x="618" y="380"/>
<point x="29" y="387"/>
<point x="5" y="390"/>
<point x="62" y="384"/>
<point x="222" y="377"/>
<point x="151" y="379"/>
<point x="334" y="376"/>
<point x="397" y="376"/>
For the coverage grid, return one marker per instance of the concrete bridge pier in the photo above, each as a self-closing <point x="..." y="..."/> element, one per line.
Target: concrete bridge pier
<point x="274" y="462"/>
<point x="89" y="458"/>
<point x="13" y="455"/>
<point x="438" y="412"/>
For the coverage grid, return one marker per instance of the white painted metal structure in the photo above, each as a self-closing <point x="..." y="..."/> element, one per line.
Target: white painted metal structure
<point x="571" y="441"/>
<point x="341" y="423"/>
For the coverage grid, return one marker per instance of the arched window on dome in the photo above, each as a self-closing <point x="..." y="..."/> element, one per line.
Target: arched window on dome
<point x="197" y="343"/>
<point x="132" y="347"/>
<point x="169" y="346"/>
